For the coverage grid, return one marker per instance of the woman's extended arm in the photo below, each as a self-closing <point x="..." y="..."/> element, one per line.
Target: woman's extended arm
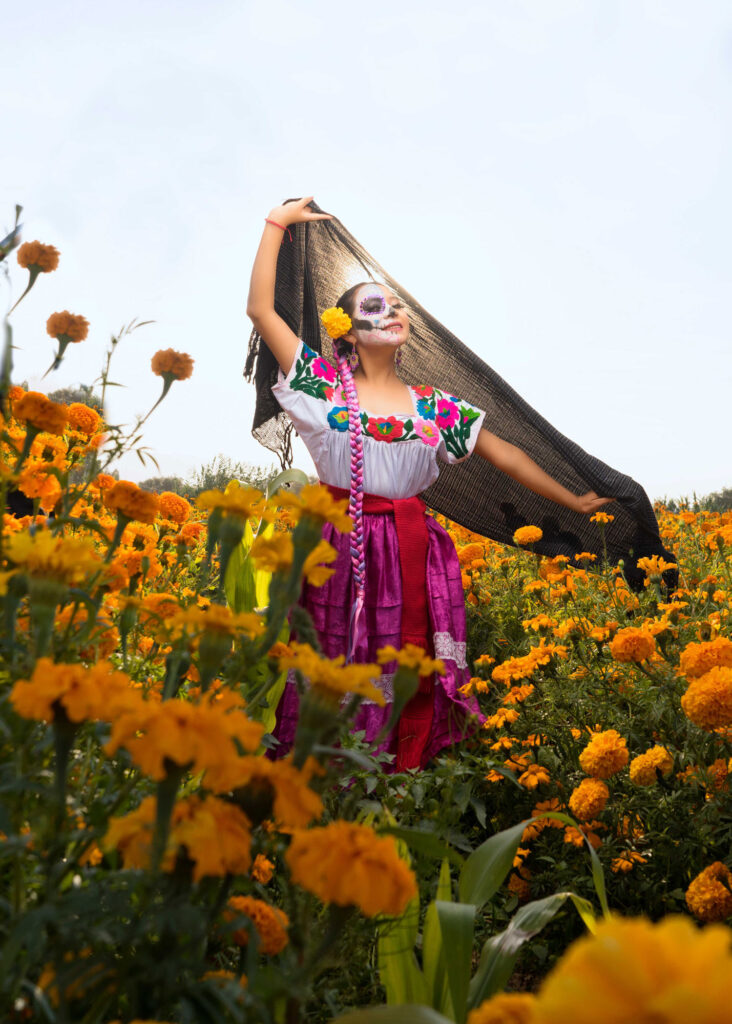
<point x="517" y="464"/>
<point x="260" y="305"/>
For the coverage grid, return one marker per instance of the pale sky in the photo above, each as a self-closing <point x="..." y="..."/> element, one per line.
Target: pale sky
<point x="550" y="179"/>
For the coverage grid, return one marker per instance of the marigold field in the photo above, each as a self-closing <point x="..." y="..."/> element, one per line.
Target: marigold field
<point x="568" y="861"/>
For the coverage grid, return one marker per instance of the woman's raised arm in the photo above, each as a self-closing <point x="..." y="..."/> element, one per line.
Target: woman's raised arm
<point x="278" y="337"/>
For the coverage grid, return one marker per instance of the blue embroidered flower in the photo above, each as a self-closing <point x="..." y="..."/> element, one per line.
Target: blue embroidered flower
<point x="338" y="418"/>
<point x="425" y="410"/>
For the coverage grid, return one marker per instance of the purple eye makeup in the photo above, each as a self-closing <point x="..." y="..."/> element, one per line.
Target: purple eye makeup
<point x="372" y="305"/>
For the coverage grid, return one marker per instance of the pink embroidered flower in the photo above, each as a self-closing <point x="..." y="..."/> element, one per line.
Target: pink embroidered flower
<point x="424" y="390"/>
<point x="323" y="369"/>
<point x="427" y="431"/>
<point x="385" y="428"/>
<point x="447" y="413"/>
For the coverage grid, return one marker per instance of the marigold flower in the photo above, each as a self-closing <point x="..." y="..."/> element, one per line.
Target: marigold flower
<point x="244" y="502"/>
<point x="67" y="326"/>
<point x="626" y="862"/>
<point x="411" y="656"/>
<point x="171" y="364"/>
<point x="331" y="677"/>
<point x="635" y="970"/>
<point x="348" y="864"/>
<point x="709" y="896"/>
<point x="262" y="869"/>
<point x="526" y="535"/>
<point x="589" y="799"/>
<point x="632" y="644"/>
<point x="273" y="554"/>
<point x="697" y="659"/>
<point x="129" y="500"/>
<point x="577" y="836"/>
<point x="316" y="502"/>
<point x="467" y="554"/>
<point x="708" y="700"/>
<point x="43" y="414"/>
<point x="270" y="922"/>
<point x="50" y="556"/>
<point x="506" y="1008"/>
<point x="83" y="693"/>
<point x="219" y="619"/>
<point x="39" y="257"/>
<point x="294" y="803"/>
<point x="173" y="507"/>
<point x="601" y="517"/>
<point x="604" y="755"/>
<point x="336" y="321"/>
<point x="84" y="419"/>
<point x="644" y="768"/>
<point x="535" y="775"/>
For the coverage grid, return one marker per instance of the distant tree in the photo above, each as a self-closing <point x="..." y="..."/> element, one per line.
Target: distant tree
<point x="716" y="501"/>
<point x="221" y="470"/>
<point x="83" y="393"/>
<point x="158" y="484"/>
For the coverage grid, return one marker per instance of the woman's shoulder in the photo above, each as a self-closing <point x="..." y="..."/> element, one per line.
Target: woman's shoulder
<point x="313" y="375"/>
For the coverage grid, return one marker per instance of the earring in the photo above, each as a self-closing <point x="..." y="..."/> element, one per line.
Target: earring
<point x="352" y="359"/>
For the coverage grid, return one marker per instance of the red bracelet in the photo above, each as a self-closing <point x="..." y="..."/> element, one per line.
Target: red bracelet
<point x="280" y="226"/>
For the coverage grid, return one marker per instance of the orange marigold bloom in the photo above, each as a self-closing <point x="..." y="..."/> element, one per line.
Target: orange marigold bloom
<point x="176" y="365"/>
<point x="173" y="507"/>
<point x="127" y="499"/>
<point x="85" y="420"/>
<point x="697" y="659"/>
<point x="605" y="754"/>
<point x="32" y="255"/>
<point x="469" y="552"/>
<point x="294" y="803"/>
<point x="526" y="535"/>
<point x="644" y="768"/>
<point x="535" y="775"/>
<point x="708" y="700"/>
<point x="632" y="644"/>
<point x="506" y="1008"/>
<point x="83" y="693"/>
<point x="262" y="869"/>
<point x="270" y="922"/>
<point x="43" y="414"/>
<point x="627" y="861"/>
<point x="588" y="799"/>
<point x="67" y="326"/>
<point x="348" y="864"/>
<point x="709" y="896"/>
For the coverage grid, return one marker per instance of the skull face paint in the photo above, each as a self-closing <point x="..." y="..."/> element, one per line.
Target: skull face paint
<point x="378" y="321"/>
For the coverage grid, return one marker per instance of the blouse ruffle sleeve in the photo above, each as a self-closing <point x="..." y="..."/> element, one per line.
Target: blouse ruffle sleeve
<point x="459" y="424"/>
<point x="308" y="393"/>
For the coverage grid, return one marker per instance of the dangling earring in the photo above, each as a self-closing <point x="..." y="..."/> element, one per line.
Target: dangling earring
<point x="352" y="359"/>
<point x="398" y="358"/>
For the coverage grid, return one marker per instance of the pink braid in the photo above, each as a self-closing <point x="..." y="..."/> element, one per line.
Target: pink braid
<point x="358" y="559"/>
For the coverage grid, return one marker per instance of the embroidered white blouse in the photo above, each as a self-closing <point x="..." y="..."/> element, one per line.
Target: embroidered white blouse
<point x="400" y="451"/>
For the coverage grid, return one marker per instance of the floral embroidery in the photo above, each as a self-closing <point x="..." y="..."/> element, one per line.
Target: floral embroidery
<point x="385" y="428"/>
<point x="322" y="368"/>
<point x="312" y="374"/>
<point x="424" y="390"/>
<point x="427" y="431"/>
<point x="447" y="413"/>
<point x="338" y="418"/>
<point x="425" y="410"/>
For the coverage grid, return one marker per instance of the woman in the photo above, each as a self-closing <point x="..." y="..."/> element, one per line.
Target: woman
<point x="378" y="441"/>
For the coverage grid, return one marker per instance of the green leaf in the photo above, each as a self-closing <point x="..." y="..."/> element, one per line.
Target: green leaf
<point x="486" y="868"/>
<point x="433" y="952"/>
<point x="287" y="476"/>
<point x="424" y="842"/>
<point x="394" y="1015"/>
<point x="501" y="951"/>
<point x="239" y="582"/>
<point x="398" y="968"/>
<point x="457" y="922"/>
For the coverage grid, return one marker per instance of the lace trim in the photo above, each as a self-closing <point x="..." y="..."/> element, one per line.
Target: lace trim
<point x="384" y="682"/>
<point x="447" y="647"/>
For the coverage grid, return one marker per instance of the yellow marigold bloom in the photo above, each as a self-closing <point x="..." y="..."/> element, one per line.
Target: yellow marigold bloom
<point x="577" y="836"/>
<point x="604" y="755"/>
<point x="169" y="363"/>
<point x="314" y="571"/>
<point x="273" y="554"/>
<point x="218" y="618"/>
<point x="644" y="768"/>
<point x="518" y="694"/>
<point x="36" y="256"/>
<point x="632" y="644"/>
<point x="128" y="500"/>
<point x="316" y="502"/>
<point x="67" y="326"/>
<point x="83" y="693"/>
<point x="244" y="502"/>
<point x="626" y="862"/>
<point x="262" y="869"/>
<point x="632" y="970"/>
<point x="336" y="321"/>
<point x="655" y="565"/>
<point x="214" y="833"/>
<point x="84" y="419"/>
<point x="294" y="804"/>
<point x="270" y="922"/>
<point x="589" y="799"/>
<point x="43" y="414"/>
<point x="708" y="700"/>
<point x="585" y="556"/>
<point x="202" y="736"/>
<point x="175" y="508"/>
<point x="65" y="559"/>
<point x="506" y="1008"/>
<point x="502" y="717"/>
<point x="331" y="677"/>
<point x="541" y="621"/>
<point x="601" y="517"/>
<point x="709" y="896"/>
<point x="526" y="535"/>
<point x="535" y="775"/>
<point x="467" y="554"/>
<point x="697" y="659"/>
<point x="411" y="656"/>
<point x="348" y="864"/>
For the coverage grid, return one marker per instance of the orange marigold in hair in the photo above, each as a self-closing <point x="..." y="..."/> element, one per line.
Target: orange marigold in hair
<point x="67" y="326"/>
<point x="82" y="418"/>
<point x="167" y="361"/>
<point x="35" y="254"/>
<point x="43" y="414"/>
<point x="270" y="922"/>
<point x="173" y="507"/>
<point x="131" y="501"/>
<point x="709" y="896"/>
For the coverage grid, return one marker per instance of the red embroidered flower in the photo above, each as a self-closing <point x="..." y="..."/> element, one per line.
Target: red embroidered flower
<point x="386" y="428"/>
<point x="424" y="391"/>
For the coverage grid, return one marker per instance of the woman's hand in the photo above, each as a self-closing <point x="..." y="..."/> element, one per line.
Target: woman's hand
<point x="296" y="213"/>
<point x="590" y="502"/>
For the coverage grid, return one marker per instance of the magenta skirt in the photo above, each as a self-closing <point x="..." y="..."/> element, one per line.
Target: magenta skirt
<point x="454" y="716"/>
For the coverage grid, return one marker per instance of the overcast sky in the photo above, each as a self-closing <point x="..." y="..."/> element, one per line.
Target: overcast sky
<point x="551" y="179"/>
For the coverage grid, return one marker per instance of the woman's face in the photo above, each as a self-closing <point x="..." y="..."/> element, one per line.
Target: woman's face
<point x="379" y="317"/>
